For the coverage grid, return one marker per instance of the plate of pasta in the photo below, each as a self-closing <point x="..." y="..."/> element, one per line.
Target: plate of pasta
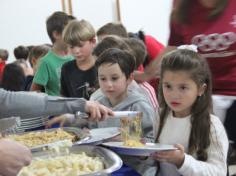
<point x="82" y="160"/>
<point x="36" y="140"/>
<point x="135" y="148"/>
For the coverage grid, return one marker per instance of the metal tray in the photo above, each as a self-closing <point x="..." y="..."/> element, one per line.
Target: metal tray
<point x="83" y="136"/>
<point x="111" y="160"/>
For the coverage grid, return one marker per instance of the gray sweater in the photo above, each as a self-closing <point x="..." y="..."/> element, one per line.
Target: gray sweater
<point x="134" y="102"/>
<point x="32" y="104"/>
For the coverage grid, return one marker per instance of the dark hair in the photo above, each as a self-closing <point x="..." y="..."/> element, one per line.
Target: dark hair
<point x="198" y="69"/>
<point x="139" y="50"/>
<point x="181" y="12"/>
<point x="113" y="29"/>
<point x="13" y="78"/>
<point x="38" y="52"/>
<point x="141" y="36"/>
<point x="4" y="54"/>
<point x="110" y="41"/>
<point x="124" y="59"/>
<point x="56" y="22"/>
<point x="21" y="52"/>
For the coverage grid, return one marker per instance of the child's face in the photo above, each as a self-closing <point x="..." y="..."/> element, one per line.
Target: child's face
<point x="81" y="53"/>
<point x="180" y="92"/>
<point x="113" y="82"/>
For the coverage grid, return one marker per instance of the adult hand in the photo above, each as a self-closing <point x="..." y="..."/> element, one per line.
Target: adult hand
<point x="174" y="156"/>
<point x="14" y="156"/>
<point x="96" y="111"/>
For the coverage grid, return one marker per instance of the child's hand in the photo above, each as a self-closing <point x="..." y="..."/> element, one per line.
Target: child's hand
<point x="175" y="156"/>
<point x="59" y="119"/>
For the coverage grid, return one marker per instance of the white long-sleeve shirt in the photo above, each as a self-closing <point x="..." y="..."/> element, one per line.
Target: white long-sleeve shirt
<point x="177" y="130"/>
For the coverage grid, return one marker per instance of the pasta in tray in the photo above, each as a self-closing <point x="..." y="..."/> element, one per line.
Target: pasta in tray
<point x="69" y="165"/>
<point x="36" y="138"/>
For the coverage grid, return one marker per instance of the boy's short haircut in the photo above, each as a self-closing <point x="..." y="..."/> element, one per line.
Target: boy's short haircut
<point x="139" y="50"/>
<point x="124" y="59"/>
<point x="21" y="52"/>
<point x="38" y="52"/>
<point x="78" y="31"/>
<point x="56" y="22"/>
<point x="4" y="54"/>
<point x="113" y="29"/>
<point x="111" y="41"/>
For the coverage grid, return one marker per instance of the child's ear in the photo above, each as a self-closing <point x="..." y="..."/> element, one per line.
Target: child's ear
<point x="202" y="89"/>
<point x="93" y="41"/>
<point x="56" y="35"/>
<point x="131" y="78"/>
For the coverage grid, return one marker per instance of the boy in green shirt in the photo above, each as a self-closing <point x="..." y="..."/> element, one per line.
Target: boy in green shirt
<point x="49" y="70"/>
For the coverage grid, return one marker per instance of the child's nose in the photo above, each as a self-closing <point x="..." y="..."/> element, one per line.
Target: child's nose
<point x="175" y="94"/>
<point x="109" y="84"/>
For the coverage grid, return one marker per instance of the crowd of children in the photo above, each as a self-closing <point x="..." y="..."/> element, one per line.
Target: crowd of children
<point x="176" y="106"/>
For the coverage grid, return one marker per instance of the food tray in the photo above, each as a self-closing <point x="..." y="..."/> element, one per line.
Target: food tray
<point x="81" y="134"/>
<point x="111" y="161"/>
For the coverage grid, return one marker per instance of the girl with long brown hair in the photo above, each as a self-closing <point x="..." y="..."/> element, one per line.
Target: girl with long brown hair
<point x="186" y="120"/>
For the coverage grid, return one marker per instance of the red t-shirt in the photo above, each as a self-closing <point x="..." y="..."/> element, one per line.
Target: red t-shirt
<point x="2" y="66"/>
<point x="154" y="48"/>
<point x="216" y="41"/>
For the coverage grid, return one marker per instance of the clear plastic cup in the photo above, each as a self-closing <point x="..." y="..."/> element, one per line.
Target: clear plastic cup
<point x="131" y="129"/>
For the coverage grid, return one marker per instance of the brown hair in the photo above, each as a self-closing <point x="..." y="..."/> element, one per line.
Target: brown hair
<point x="139" y="50"/>
<point x="56" y="22"/>
<point x="38" y="52"/>
<point x="198" y="69"/>
<point x="124" y="59"/>
<point x="111" y="41"/>
<point x="21" y="52"/>
<point x="4" y="54"/>
<point x="113" y="29"/>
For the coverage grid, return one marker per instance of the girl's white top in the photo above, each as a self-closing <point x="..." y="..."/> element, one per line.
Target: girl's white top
<point x="177" y="130"/>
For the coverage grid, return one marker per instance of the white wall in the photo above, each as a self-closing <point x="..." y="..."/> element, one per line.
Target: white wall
<point x="151" y="16"/>
<point x="23" y="22"/>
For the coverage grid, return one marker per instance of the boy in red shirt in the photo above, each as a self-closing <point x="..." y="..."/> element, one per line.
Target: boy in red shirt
<point x="3" y="58"/>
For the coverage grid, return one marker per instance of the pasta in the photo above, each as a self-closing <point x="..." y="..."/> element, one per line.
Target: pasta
<point x="33" y="139"/>
<point x="131" y="131"/>
<point x="69" y="165"/>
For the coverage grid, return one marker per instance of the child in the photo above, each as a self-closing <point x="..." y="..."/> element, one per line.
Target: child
<point x="138" y="49"/>
<point x="78" y="77"/>
<point x="117" y="29"/>
<point x="3" y="58"/>
<point x="36" y="53"/>
<point x="13" y="78"/>
<point x="140" y="52"/>
<point x="115" y="73"/>
<point x="21" y="52"/>
<point x="186" y="119"/>
<point x="49" y="70"/>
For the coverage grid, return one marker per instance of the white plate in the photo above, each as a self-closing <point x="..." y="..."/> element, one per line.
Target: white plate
<point x="99" y="135"/>
<point x="145" y="150"/>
